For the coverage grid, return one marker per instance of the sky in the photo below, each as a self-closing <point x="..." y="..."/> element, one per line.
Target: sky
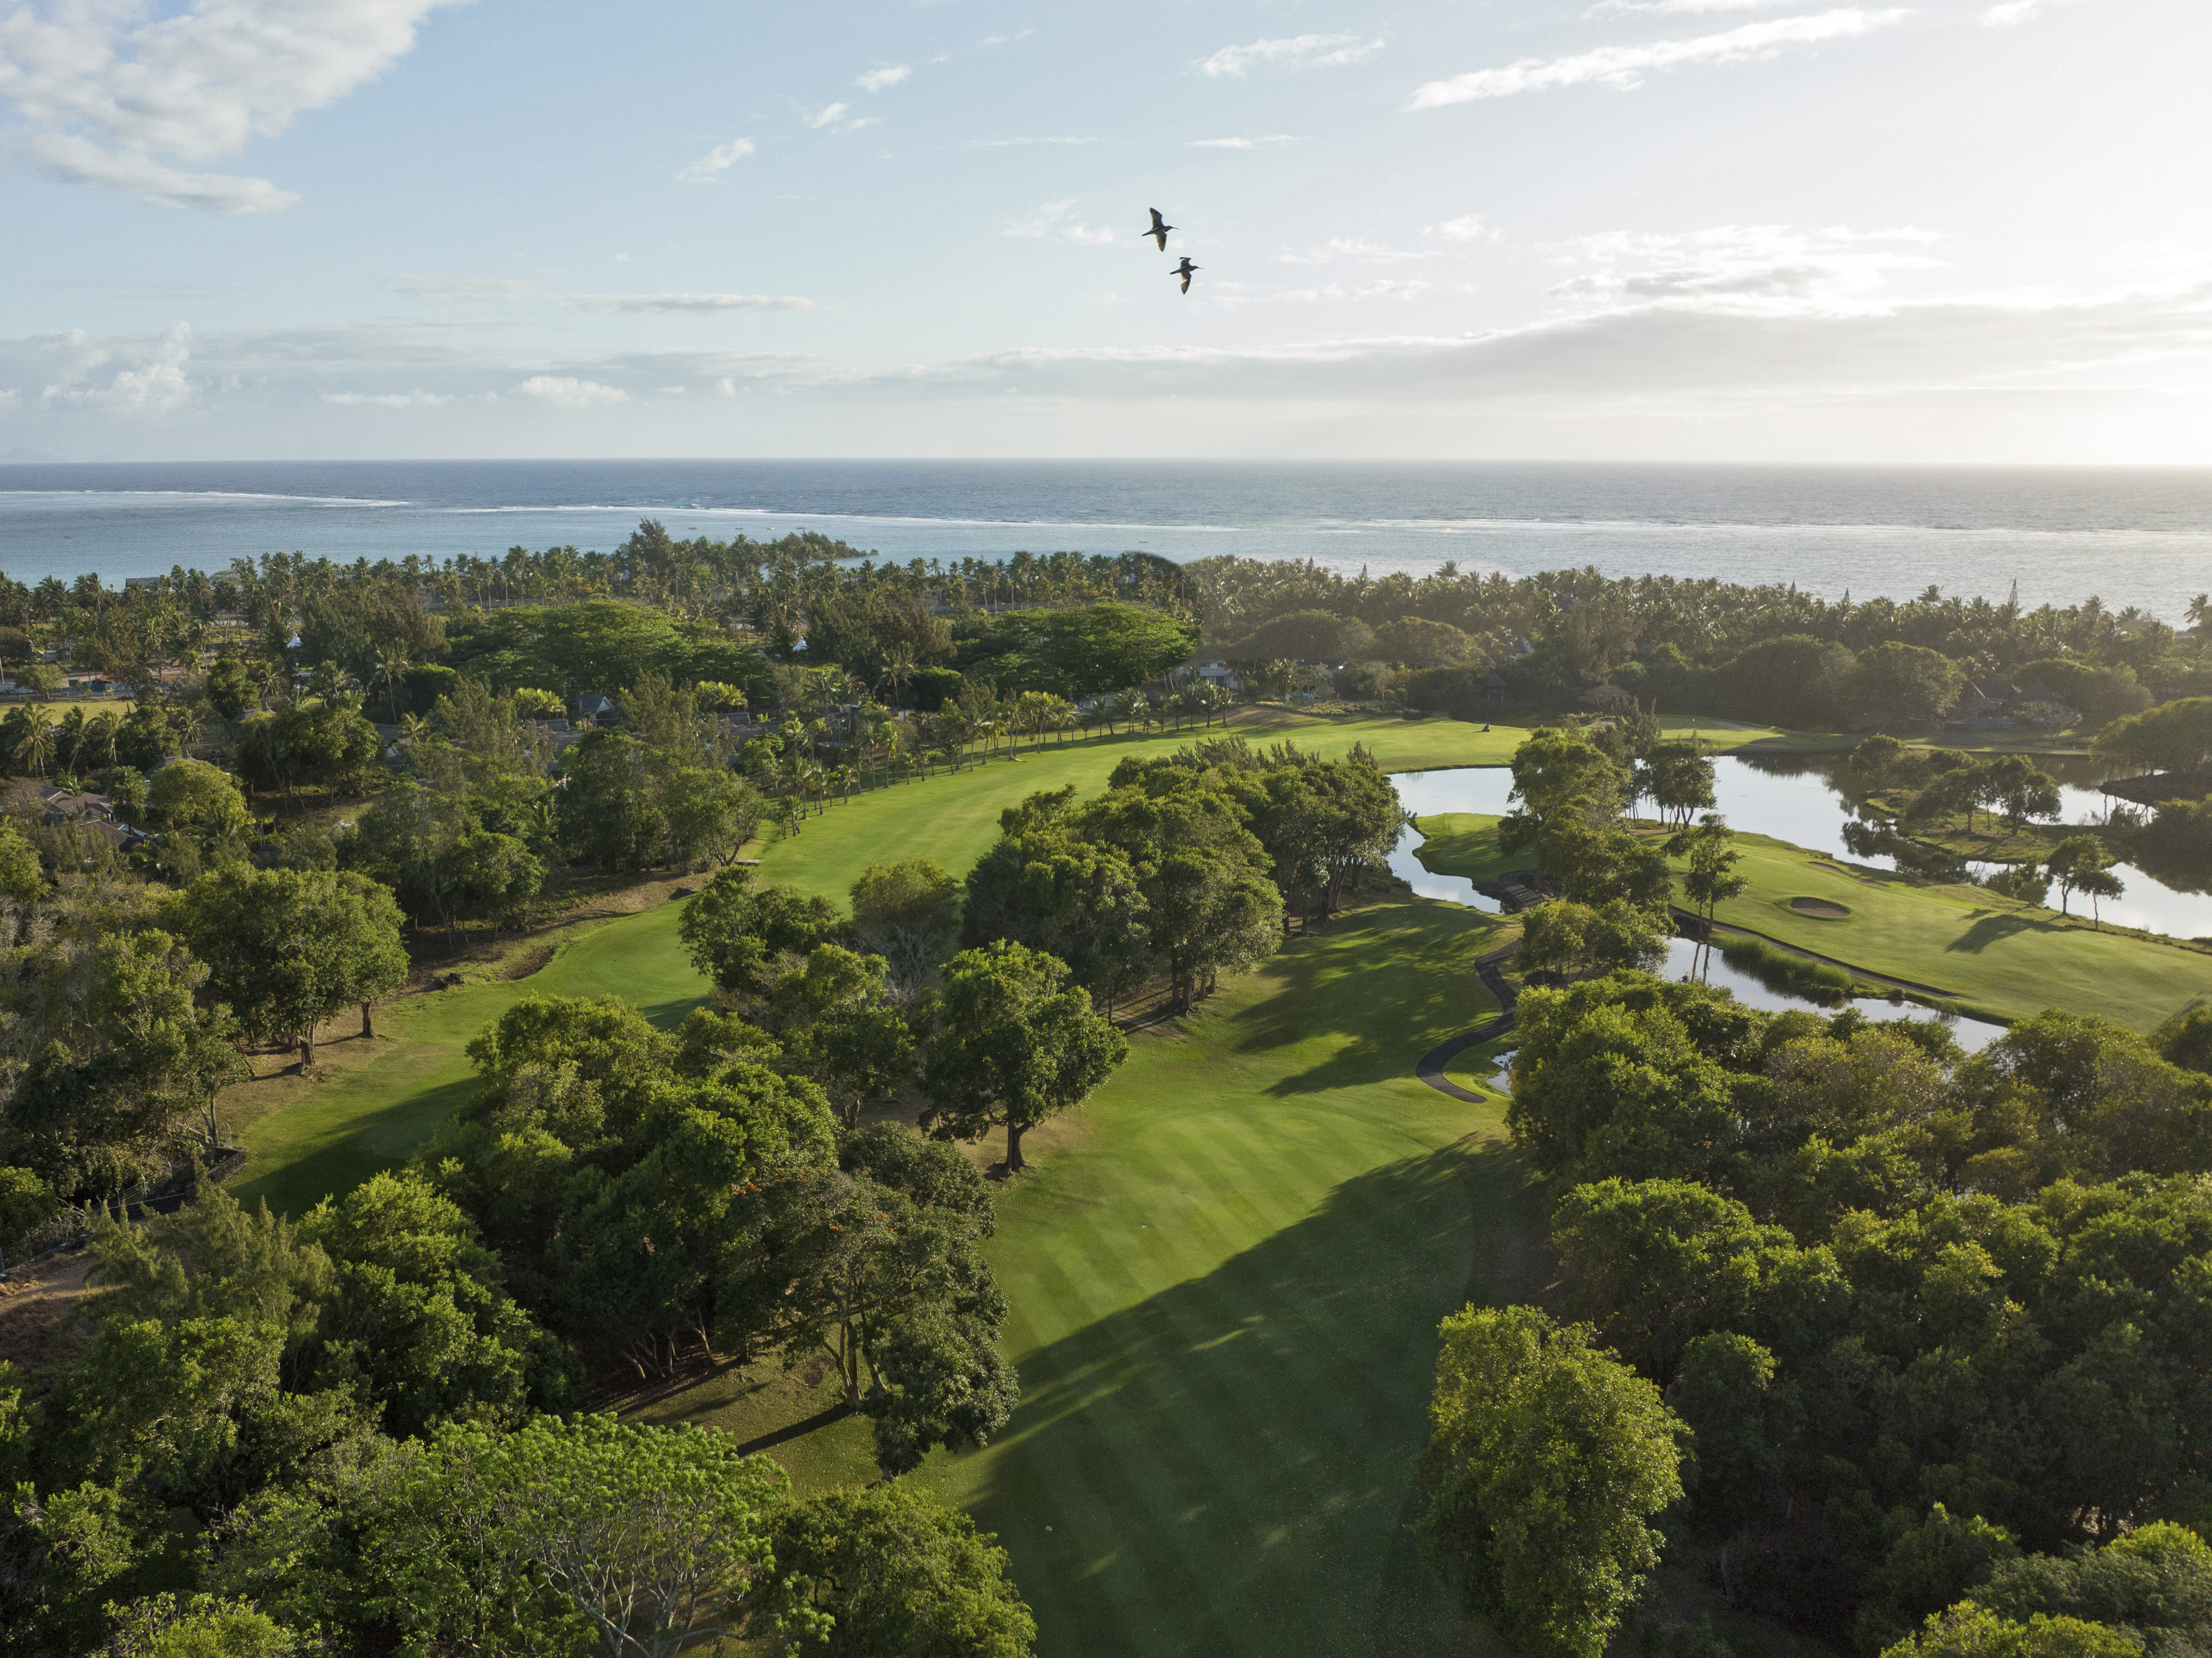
<point x="1954" y="231"/>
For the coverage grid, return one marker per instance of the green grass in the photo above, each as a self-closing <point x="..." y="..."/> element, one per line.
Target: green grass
<point x="328" y="1136"/>
<point x="1466" y="843"/>
<point x="1225" y="1274"/>
<point x="1995" y="955"/>
<point x="1224" y="1301"/>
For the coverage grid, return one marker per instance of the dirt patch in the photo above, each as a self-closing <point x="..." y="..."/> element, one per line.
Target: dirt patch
<point x="528" y="962"/>
<point x="1820" y="909"/>
<point x="34" y="1302"/>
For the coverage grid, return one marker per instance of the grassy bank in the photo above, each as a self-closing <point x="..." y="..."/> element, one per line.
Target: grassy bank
<point x="1996" y="956"/>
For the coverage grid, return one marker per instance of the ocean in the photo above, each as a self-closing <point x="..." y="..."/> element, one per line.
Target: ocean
<point x="2140" y="537"/>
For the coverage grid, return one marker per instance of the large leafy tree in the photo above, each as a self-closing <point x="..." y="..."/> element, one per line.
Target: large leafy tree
<point x="653" y="1540"/>
<point x="878" y="1266"/>
<point x="908" y="913"/>
<point x="287" y="948"/>
<point x="603" y="1158"/>
<point x="838" y="1020"/>
<point x="1111" y="647"/>
<point x="1019" y="1045"/>
<point x="1558" y="778"/>
<point x="739" y="933"/>
<point x="1548" y="1458"/>
<point x="902" y="1574"/>
<point x="1895" y="682"/>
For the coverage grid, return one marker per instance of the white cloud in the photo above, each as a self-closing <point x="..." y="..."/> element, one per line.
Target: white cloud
<point x="416" y="400"/>
<point x="677" y="304"/>
<point x="2016" y="11"/>
<point x="568" y="392"/>
<point x="1625" y="67"/>
<point x="441" y="291"/>
<point x="826" y="114"/>
<point x="1020" y="143"/>
<point x="1245" y="143"/>
<point x="101" y="94"/>
<point x="1469" y="229"/>
<point x="154" y="383"/>
<point x="710" y="166"/>
<point x="1676" y="8"/>
<point x="1745" y="268"/>
<point x="1381" y="287"/>
<point x="504" y="290"/>
<point x="866" y="120"/>
<point x="1297" y="51"/>
<point x="1051" y="224"/>
<point x="1357" y="249"/>
<point x="877" y="79"/>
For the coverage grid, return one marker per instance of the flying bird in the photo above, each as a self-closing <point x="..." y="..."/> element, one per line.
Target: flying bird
<point x="1184" y="270"/>
<point x="1158" y="233"/>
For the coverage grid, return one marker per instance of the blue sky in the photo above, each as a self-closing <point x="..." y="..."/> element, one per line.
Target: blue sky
<point x="1719" y="229"/>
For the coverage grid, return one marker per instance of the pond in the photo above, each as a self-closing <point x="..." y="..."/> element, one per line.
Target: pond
<point x="1794" y="798"/>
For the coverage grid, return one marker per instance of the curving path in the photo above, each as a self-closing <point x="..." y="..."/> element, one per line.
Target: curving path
<point x="1429" y="1067"/>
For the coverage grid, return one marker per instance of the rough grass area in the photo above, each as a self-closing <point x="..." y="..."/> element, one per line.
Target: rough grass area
<point x="1781" y="970"/>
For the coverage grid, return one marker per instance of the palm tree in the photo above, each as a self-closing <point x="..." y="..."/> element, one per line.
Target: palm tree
<point x="392" y="665"/>
<point x="34" y="749"/>
<point x="69" y="741"/>
<point x="99" y="734"/>
<point x="898" y="671"/>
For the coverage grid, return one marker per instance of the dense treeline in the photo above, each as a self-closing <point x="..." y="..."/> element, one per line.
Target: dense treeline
<point x="366" y="1419"/>
<point x="1770" y="653"/>
<point x="1924" y="1322"/>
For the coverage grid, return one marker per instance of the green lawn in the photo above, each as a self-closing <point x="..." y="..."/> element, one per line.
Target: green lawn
<point x="1224" y="1311"/>
<point x="1465" y="843"/>
<point x="333" y="1134"/>
<point x="1991" y="953"/>
<point x="953" y="817"/>
<point x="1995" y="955"/>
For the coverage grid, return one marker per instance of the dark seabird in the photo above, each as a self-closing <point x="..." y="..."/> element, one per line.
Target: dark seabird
<point x="1158" y="233"/>
<point x="1184" y="270"/>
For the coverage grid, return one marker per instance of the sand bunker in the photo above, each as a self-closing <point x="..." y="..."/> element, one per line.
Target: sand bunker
<point x="1820" y="909"/>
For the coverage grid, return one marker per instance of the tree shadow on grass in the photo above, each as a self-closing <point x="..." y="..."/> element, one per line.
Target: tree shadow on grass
<point x="1391" y="984"/>
<point x="384" y="1138"/>
<point x="375" y="1140"/>
<point x="1228" y="1466"/>
<point x="1991" y="926"/>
